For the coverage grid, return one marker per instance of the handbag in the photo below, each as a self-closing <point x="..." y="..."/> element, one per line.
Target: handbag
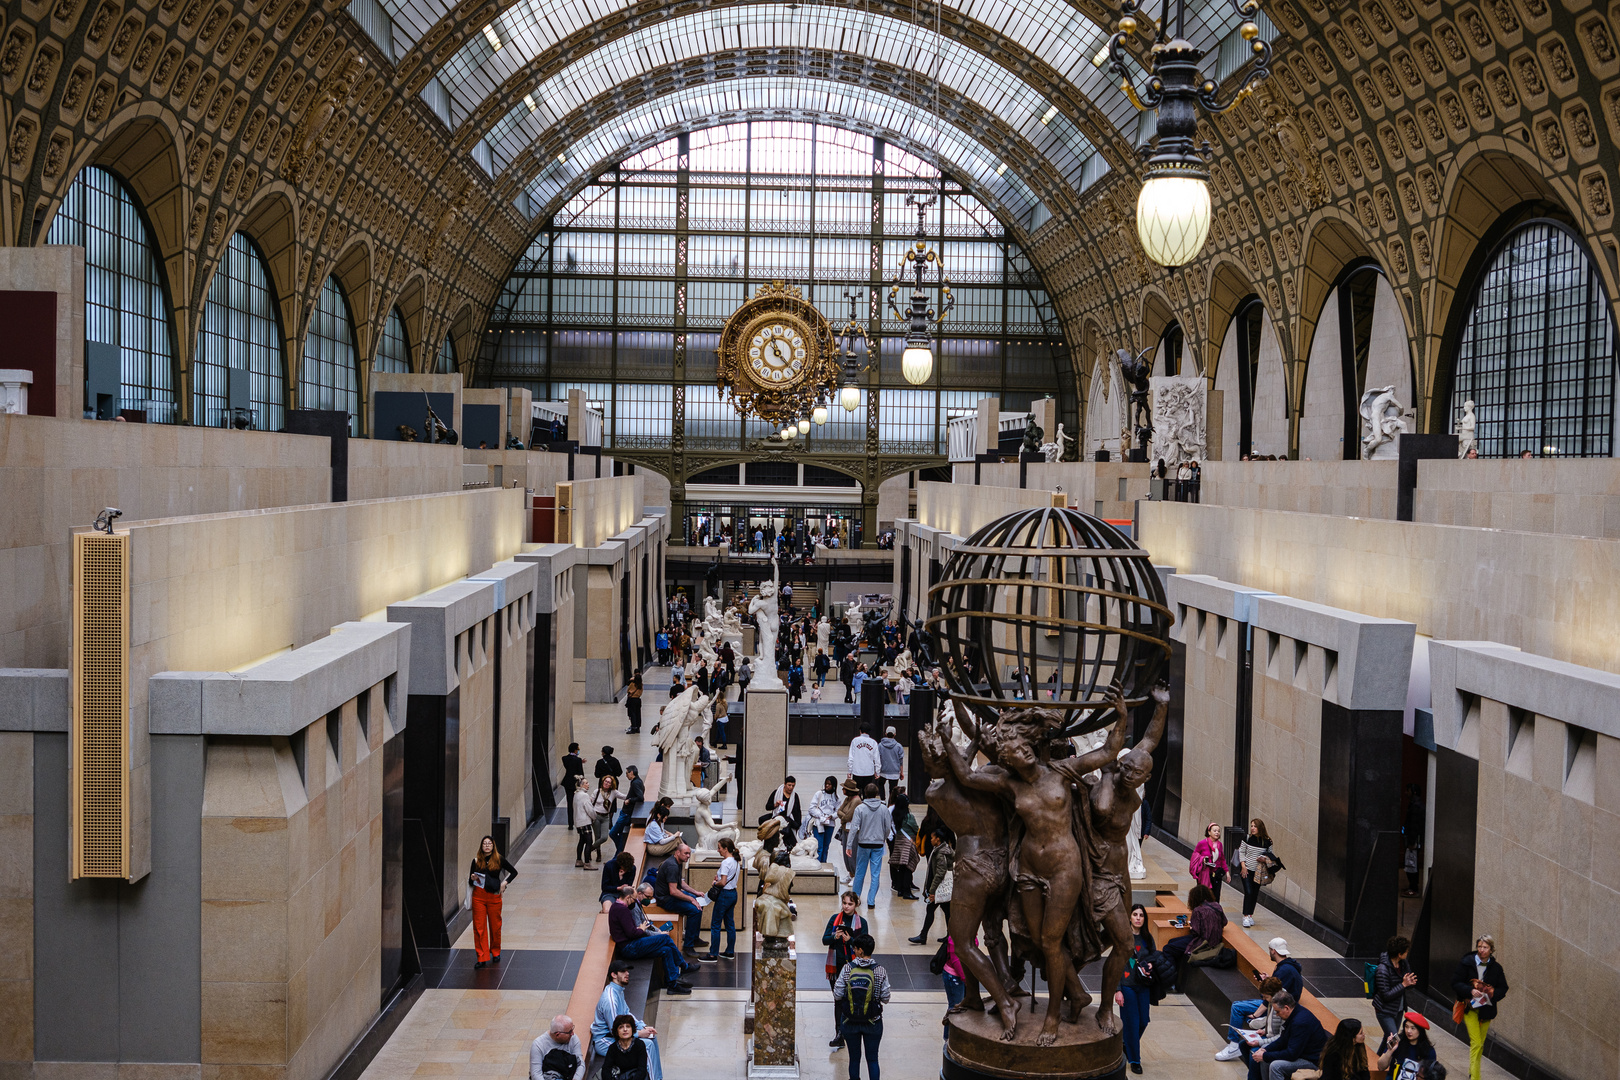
<point x="947" y="884"/>
<point x="1458" y="1011"/>
<point x="904" y="852"/>
<point x="936" y="965"/>
<point x="714" y="890"/>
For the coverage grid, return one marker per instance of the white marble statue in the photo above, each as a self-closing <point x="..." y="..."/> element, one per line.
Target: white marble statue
<point x="824" y="635"/>
<point x="1465" y="429"/>
<point x="1133" y="842"/>
<point x="681" y="723"/>
<point x="713" y="621"/>
<point x="803" y="855"/>
<point x="708" y="833"/>
<point x="1179" y="419"/>
<point x="855" y="619"/>
<point x="903" y="662"/>
<point x="767" y="619"/>
<point x="1381" y="420"/>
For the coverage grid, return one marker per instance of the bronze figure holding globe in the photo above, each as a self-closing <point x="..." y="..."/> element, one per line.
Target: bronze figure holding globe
<point x="1041" y="830"/>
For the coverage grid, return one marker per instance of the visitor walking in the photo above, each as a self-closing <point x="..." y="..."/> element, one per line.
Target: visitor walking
<point x="903" y="856"/>
<point x="1390" y="983"/>
<point x="870" y="830"/>
<point x="891" y="763"/>
<point x="1480" y="985"/>
<point x="1208" y="862"/>
<point x="863" y="986"/>
<point x="1135" y="994"/>
<point x="941" y="880"/>
<point x="1257" y="866"/>
<point x="824" y="816"/>
<point x="573" y="769"/>
<point x="864" y="758"/>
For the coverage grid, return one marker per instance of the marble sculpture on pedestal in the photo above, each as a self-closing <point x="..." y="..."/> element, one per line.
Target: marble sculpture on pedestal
<point x="1381" y="421"/>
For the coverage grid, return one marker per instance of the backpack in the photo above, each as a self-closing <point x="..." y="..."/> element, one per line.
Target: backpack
<point x="860" y="988"/>
<point x="558" y="1062"/>
<point x="1369" y="978"/>
<point x="936" y="965"/>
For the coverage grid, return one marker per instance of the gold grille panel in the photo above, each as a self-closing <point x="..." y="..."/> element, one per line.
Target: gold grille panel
<point x="100" y="686"/>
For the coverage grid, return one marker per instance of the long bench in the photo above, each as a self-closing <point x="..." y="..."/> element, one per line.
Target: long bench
<point x="599" y="951"/>
<point x="1213" y="990"/>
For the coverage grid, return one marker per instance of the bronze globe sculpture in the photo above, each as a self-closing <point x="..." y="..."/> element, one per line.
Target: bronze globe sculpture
<point x="1050" y="591"/>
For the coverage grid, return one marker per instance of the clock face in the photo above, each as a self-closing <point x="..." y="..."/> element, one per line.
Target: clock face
<point x="776" y="354"/>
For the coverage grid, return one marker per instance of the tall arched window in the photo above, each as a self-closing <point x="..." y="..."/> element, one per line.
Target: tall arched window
<point x="1537" y="350"/>
<point x="327" y="380"/>
<point x="1171" y="344"/>
<point x="124" y="302"/>
<point x="240" y="331"/>
<point x="394" y="349"/>
<point x="447" y="357"/>
<point x="1247" y="326"/>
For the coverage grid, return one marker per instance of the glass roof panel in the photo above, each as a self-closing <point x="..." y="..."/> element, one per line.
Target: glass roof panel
<point x="976" y="77"/>
<point x="1053" y="30"/>
<point x="804" y="98"/>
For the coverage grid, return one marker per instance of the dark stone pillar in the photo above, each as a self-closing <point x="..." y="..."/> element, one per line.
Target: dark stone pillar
<point x="923" y="707"/>
<point x="1451" y="899"/>
<point x="1358" y="849"/>
<point x="542" y="666"/>
<point x="395" y="962"/>
<point x="1415" y="448"/>
<point x="334" y="424"/>
<point x="432" y="801"/>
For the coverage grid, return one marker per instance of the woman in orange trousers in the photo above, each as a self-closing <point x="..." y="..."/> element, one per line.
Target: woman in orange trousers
<point x="488" y="878"/>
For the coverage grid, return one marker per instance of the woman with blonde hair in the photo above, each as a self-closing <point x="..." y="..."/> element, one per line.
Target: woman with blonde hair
<point x="584" y="824"/>
<point x="488" y="878"/>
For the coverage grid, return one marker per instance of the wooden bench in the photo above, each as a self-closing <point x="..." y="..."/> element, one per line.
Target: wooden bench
<point x="1213" y="990"/>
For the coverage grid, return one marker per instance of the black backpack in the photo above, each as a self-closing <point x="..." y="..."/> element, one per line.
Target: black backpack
<point x="937" y="964"/>
<point x="559" y="1062"/>
<point x="861" y="992"/>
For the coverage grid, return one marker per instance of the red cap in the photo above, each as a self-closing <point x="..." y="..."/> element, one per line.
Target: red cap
<point x="1418" y="1019"/>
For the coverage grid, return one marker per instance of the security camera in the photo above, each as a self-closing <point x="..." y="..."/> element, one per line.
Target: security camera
<point x="104" y="520"/>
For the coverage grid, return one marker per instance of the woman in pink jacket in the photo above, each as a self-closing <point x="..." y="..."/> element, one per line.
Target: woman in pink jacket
<point x="1208" y="862"/>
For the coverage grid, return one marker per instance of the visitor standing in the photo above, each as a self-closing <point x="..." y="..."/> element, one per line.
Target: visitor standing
<point x="941" y="881"/>
<point x="824" y="816"/>
<point x="488" y="878"/>
<point x="608" y="765"/>
<point x="573" y="770"/>
<point x="863" y="986"/>
<point x="1393" y="977"/>
<point x="864" y="757"/>
<point x="842" y="927"/>
<point x="891" y="763"/>
<point x="1480" y="985"/>
<point x="632" y="705"/>
<point x="903" y="856"/>
<point x="823" y="665"/>
<point x="1135" y="994"/>
<point x="584" y="825"/>
<point x="725" y="903"/>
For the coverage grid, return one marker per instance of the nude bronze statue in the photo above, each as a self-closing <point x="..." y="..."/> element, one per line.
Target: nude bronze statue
<point x="1050" y="869"/>
<point x="979" y="898"/>
<point x="1113" y="802"/>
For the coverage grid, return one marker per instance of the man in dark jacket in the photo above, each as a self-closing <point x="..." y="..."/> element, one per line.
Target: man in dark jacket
<point x="1287" y="970"/>
<point x="1298" y="1046"/>
<point x="573" y="769"/>
<point x="608" y="765"/>
<point x="841" y="928"/>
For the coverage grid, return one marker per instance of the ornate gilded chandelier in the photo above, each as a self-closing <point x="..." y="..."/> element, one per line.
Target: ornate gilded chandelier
<point x="1173" y="210"/>
<point x="917" y="362"/>
<point x="849" y="396"/>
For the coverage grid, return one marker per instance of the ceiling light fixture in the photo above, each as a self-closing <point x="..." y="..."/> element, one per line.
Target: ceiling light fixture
<point x="917" y="362"/>
<point x="1173" y="209"/>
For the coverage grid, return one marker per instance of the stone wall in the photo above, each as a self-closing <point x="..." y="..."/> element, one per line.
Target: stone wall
<point x="16" y="901"/>
<point x="1346" y="488"/>
<point x="389" y="469"/>
<point x="961" y="510"/>
<point x="1545" y="742"/>
<point x="1107" y="489"/>
<point x="292" y="896"/>
<point x="1576" y="496"/>
<point x="1551" y="595"/>
<point x="606" y="507"/>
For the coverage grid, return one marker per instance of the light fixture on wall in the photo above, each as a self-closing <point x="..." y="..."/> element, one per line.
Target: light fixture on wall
<point x="1173" y="209"/>
<point x="917" y="362"/>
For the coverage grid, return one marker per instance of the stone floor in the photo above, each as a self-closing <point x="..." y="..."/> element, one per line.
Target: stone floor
<point x="478" y="1025"/>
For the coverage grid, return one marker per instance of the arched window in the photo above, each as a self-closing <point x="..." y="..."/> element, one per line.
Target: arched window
<point x="124" y="302"/>
<point x="240" y="331"/>
<point x="1170" y="346"/>
<point x="1247" y="325"/>
<point x="1537" y="350"/>
<point x="394" y="349"/>
<point x="327" y="378"/>
<point x="447" y="357"/>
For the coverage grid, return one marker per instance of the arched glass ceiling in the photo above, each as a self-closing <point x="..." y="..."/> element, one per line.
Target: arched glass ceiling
<point x="1053" y="30"/>
<point x="971" y="74"/>
<point x="853" y="107"/>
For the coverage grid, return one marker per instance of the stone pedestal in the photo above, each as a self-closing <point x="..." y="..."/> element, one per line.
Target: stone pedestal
<point x="765" y="749"/>
<point x="772" y="1053"/>
<point x="974" y="1049"/>
<point x="14" y="384"/>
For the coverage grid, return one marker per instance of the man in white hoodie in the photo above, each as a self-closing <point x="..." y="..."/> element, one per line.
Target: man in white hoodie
<point x="864" y="759"/>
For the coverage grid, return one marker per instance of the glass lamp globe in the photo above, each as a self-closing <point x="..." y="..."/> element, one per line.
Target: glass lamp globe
<point x="1172" y="218"/>
<point x="850" y="398"/>
<point x="917" y="364"/>
<point x="819" y="415"/>
<point x="790" y="432"/>
<point x="804" y="427"/>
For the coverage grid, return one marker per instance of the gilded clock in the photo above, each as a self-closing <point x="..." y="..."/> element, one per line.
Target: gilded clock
<point x="777" y="355"/>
